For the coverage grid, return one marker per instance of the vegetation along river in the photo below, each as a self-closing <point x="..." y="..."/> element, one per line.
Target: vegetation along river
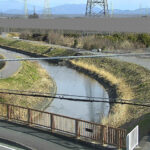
<point x="71" y="82"/>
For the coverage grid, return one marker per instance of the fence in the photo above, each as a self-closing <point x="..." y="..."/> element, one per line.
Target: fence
<point x="66" y="125"/>
<point x="132" y="139"/>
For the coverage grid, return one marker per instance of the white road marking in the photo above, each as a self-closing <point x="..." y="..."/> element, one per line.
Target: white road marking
<point x="7" y="147"/>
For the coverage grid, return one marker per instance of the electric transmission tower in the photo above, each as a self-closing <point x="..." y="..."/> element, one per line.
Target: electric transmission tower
<point x="46" y="8"/>
<point x="25" y="8"/>
<point x="96" y="8"/>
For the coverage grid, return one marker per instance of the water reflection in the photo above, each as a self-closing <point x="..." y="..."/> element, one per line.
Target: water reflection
<point x="73" y="83"/>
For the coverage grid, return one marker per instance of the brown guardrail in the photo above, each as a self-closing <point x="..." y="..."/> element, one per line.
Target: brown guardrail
<point x="66" y="125"/>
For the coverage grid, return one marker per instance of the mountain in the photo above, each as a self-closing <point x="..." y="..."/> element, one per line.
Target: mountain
<point x="141" y="11"/>
<point x="17" y="7"/>
<point x="69" y="9"/>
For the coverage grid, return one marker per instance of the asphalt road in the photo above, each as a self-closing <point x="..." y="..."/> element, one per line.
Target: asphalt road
<point x="10" y="68"/>
<point x="38" y="140"/>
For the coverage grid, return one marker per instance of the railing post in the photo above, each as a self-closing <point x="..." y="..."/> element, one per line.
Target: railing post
<point x="77" y="128"/>
<point x="8" y="112"/>
<point x="29" y="117"/>
<point x="105" y="136"/>
<point x="118" y="138"/>
<point x="52" y="123"/>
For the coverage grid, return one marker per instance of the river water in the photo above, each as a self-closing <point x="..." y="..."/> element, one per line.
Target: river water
<point x="71" y="82"/>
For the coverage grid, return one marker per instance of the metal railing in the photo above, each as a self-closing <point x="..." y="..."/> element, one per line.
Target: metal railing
<point x="66" y="125"/>
<point x="132" y="139"/>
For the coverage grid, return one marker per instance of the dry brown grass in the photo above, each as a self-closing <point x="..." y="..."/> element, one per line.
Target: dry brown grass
<point x="119" y="113"/>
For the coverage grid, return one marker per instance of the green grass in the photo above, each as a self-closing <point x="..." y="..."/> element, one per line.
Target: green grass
<point x="144" y="125"/>
<point x="61" y="52"/>
<point x="24" y="79"/>
<point x="130" y="80"/>
<point x="31" y="77"/>
<point x="26" y="46"/>
<point x="35" y="48"/>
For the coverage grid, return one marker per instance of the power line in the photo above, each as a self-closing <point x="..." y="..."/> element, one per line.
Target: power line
<point x="67" y="95"/>
<point x="75" y="57"/>
<point x="123" y="102"/>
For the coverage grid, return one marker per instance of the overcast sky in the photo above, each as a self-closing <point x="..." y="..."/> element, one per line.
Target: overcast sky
<point x="116" y="4"/>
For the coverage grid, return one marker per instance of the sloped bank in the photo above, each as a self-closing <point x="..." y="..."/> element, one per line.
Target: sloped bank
<point x="2" y="64"/>
<point x="127" y="81"/>
<point x="123" y="81"/>
<point x="31" y="77"/>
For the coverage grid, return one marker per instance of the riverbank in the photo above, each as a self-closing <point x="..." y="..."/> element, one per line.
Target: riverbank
<point x="127" y="81"/>
<point x="33" y="49"/>
<point x="2" y="64"/>
<point x="30" y="77"/>
<point x="130" y="81"/>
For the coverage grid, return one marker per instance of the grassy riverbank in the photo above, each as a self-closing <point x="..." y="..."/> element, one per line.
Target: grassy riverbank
<point x="31" y="77"/>
<point x="2" y="64"/>
<point x="131" y="82"/>
<point x="40" y="49"/>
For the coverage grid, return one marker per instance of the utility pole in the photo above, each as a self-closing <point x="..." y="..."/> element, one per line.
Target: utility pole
<point x="46" y="12"/>
<point x="25" y="9"/>
<point x="96" y="8"/>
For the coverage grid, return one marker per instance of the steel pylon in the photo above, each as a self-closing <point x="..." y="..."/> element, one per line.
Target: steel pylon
<point x="47" y="11"/>
<point x="25" y="8"/>
<point x="96" y="7"/>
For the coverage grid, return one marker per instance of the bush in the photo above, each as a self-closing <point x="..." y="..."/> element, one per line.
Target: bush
<point x="145" y="39"/>
<point x="75" y="43"/>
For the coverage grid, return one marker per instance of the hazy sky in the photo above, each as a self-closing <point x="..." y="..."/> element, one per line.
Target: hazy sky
<point x="116" y="4"/>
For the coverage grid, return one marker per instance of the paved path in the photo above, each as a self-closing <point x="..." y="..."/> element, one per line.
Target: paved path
<point x="144" y="144"/>
<point x="36" y="139"/>
<point x="10" y="68"/>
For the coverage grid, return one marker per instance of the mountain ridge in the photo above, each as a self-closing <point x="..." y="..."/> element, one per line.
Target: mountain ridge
<point x="18" y="8"/>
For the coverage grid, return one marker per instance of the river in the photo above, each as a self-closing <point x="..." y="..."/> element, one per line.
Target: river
<point x="71" y="82"/>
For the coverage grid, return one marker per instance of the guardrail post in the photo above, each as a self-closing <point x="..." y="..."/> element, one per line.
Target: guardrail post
<point x="8" y="112"/>
<point x="77" y="128"/>
<point x="52" y="123"/>
<point x="29" y="117"/>
<point x="118" y="138"/>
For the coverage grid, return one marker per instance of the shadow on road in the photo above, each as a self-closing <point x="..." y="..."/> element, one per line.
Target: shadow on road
<point x="64" y="142"/>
